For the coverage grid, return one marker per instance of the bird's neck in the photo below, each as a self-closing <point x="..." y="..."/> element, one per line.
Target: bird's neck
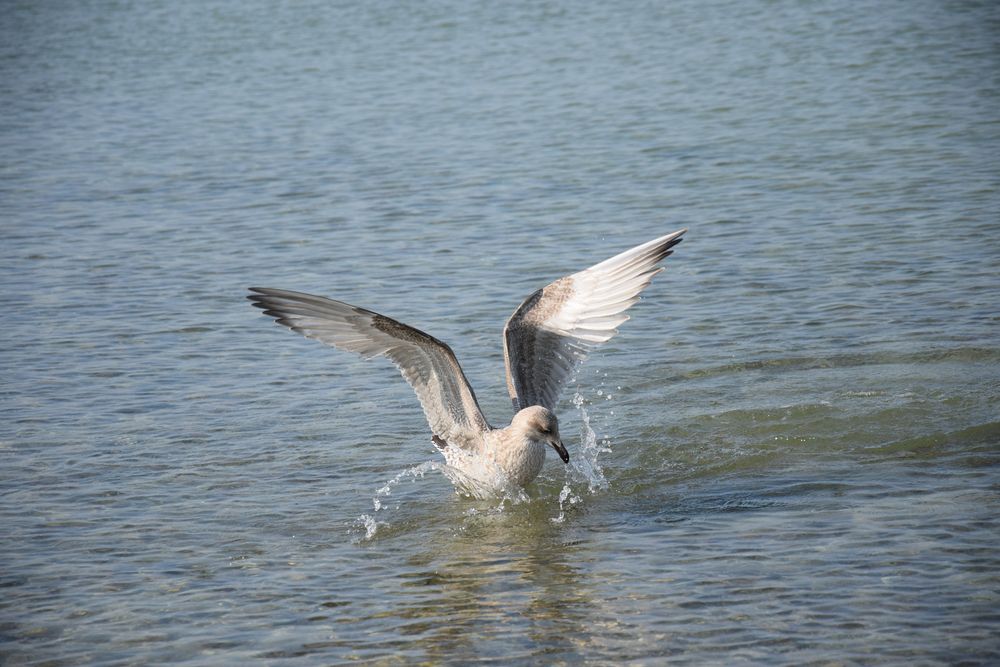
<point x="529" y="459"/>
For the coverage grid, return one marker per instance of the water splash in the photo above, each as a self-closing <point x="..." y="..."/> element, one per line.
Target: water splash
<point x="586" y="464"/>
<point x="370" y="524"/>
<point x="564" y="495"/>
<point x="584" y="467"/>
<point x="494" y="485"/>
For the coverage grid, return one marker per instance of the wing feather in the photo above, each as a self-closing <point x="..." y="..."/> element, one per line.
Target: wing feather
<point x="556" y="327"/>
<point x="427" y="364"/>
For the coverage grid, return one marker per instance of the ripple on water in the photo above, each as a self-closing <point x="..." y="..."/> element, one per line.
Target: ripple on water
<point x="788" y="455"/>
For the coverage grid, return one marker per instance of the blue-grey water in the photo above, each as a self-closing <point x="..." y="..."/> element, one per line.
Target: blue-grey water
<point x="795" y="442"/>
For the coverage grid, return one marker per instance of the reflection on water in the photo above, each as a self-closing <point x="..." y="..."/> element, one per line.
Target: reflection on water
<point x="501" y="584"/>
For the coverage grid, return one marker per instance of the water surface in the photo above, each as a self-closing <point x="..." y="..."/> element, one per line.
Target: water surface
<point x="792" y="447"/>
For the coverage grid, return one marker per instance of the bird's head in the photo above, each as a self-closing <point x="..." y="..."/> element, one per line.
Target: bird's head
<point x="540" y="424"/>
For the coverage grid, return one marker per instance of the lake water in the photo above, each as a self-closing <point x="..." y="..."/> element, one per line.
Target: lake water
<point x="794" y="445"/>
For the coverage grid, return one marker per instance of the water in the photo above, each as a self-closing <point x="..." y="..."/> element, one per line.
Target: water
<point x="789" y="455"/>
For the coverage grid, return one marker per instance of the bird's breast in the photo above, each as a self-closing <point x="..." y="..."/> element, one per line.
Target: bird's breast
<point x="521" y="459"/>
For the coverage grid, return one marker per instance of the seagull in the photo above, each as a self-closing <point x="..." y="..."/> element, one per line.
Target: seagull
<point x="548" y="335"/>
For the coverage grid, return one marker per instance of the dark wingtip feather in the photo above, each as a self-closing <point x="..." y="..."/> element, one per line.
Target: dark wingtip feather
<point x="665" y="251"/>
<point x="258" y="297"/>
<point x="672" y="242"/>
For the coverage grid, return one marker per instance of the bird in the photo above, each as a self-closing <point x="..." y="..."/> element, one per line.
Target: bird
<point x="544" y="340"/>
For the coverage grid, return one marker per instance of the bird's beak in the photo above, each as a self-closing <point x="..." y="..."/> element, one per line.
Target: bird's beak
<point x="558" y="446"/>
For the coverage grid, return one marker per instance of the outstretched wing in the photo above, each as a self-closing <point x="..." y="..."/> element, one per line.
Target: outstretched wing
<point x="556" y="327"/>
<point x="427" y="364"/>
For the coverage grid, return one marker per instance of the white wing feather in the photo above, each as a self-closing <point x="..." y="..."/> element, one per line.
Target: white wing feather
<point x="556" y="327"/>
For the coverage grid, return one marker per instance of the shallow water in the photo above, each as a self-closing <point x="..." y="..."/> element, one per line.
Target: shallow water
<point x="789" y="455"/>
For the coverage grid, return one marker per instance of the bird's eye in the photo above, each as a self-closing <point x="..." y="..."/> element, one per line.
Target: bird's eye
<point x="545" y="430"/>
